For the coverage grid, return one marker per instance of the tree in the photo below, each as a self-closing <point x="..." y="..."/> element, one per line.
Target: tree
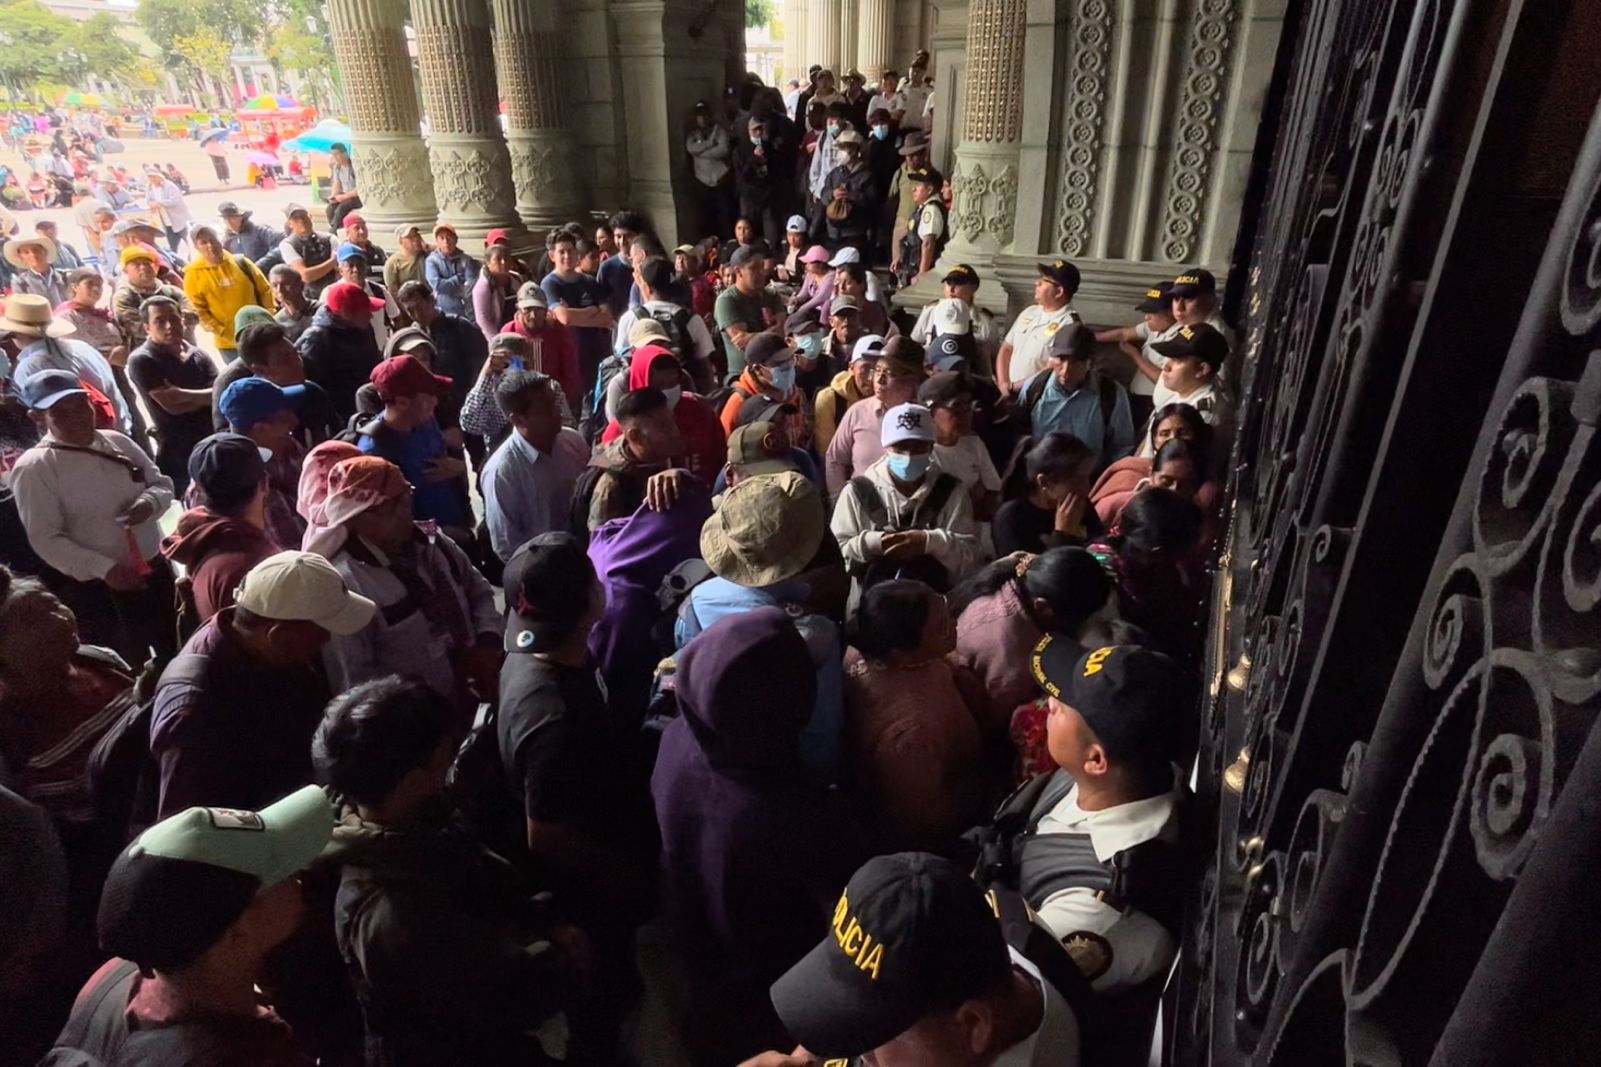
<point x="190" y="33"/>
<point x="105" y="53"/>
<point x="205" y="51"/>
<point x="758" y="13"/>
<point x="32" y="44"/>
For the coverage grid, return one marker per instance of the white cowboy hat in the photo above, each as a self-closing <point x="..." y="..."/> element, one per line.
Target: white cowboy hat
<point x="30" y="316"/>
<point x="42" y="241"/>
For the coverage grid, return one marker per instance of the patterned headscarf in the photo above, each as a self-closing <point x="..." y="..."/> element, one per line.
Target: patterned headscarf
<point x="359" y="484"/>
<point x="319" y="464"/>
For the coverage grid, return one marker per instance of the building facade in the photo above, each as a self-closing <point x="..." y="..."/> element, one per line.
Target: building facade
<point x="1116" y="133"/>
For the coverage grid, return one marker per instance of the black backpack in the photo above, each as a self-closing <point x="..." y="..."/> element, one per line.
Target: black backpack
<point x="1029" y="399"/>
<point x="925" y="569"/>
<point x="675" y="324"/>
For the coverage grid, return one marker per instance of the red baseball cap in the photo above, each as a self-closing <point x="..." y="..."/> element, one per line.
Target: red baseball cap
<point x="343" y="298"/>
<point x="354" y="216"/>
<point x="406" y="376"/>
<point x="496" y="237"/>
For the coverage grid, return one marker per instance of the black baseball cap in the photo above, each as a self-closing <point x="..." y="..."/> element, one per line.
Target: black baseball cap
<point x="1201" y="341"/>
<point x="1131" y="697"/>
<point x="179" y="885"/>
<point x="961" y="274"/>
<point x="765" y="349"/>
<point x="1192" y="282"/>
<point x="927" y="176"/>
<point x="228" y="466"/>
<point x="745" y="254"/>
<point x="1157" y="298"/>
<point x="1062" y="273"/>
<point x="547" y="583"/>
<point x="1073" y="341"/>
<point x="912" y="936"/>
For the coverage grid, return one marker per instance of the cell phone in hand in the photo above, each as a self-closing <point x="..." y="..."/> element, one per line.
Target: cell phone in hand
<point x="515" y="364"/>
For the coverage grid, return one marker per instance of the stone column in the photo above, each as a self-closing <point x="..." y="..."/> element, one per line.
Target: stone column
<point x="875" y="39"/>
<point x="387" y="149"/>
<point x="984" y="177"/>
<point x="822" y="35"/>
<point x="466" y="152"/>
<point x="528" y="67"/>
<point x="795" y="61"/>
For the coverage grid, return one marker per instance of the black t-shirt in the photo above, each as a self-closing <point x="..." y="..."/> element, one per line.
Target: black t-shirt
<point x="1022" y="526"/>
<point x="563" y="753"/>
<point x="581" y="291"/>
<point x="148" y="370"/>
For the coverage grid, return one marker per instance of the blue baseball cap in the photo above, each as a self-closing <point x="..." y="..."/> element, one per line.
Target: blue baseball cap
<point x="41" y="391"/>
<point x="349" y="251"/>
<point x="252" y="400"/>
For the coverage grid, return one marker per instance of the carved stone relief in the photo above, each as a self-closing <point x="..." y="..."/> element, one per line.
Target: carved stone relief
<point x="1206" y="78"/>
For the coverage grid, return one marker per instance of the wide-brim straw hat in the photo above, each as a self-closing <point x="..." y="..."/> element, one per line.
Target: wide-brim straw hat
<point x="11" y="246"/>
<point x="30" y="316"/>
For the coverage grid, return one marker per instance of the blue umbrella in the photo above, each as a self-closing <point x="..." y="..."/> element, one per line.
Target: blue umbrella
<point x="212" y="135"/>
<point x="320" y="138"/>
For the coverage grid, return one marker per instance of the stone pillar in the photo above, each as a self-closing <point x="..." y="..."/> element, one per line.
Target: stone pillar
<point x="391" y="160"/>
<point x="466" y="152"/>
<point x="528" y="67"/>
<point x="875" y="39"/>
<point x="795" y="61"/>
<point x="984" y="178"/>
<point x="822" y="35"/>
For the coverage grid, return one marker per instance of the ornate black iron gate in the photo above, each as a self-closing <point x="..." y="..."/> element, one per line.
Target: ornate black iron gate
<point x="1407" y="656"/>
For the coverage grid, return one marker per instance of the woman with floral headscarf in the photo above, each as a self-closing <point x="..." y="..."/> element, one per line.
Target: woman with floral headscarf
<point x="320" y="463"/>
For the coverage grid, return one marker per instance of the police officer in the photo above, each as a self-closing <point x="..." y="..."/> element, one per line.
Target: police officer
<point x="961" y="283"/>
<point x="1022" y="354"/>
<point x="1094" y="849"/>
<point x="927" y="230"/>
<point x="917" y="971"/>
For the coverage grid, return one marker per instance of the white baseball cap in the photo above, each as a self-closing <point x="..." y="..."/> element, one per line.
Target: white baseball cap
<point x="796" y="224"/>
<point x="845" y="255"/>
<point x="907" y="422"/>
<point x="303" y="587"/>
<point x="868" y="347"/>
<point x="952" y="315"/>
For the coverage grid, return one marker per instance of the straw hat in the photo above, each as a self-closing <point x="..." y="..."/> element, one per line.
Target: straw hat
<point x="43" y="242"/>
<point x="30" y="316"/>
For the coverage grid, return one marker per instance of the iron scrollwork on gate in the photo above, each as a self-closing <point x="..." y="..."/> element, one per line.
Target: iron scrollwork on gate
<point x="1382" y="804"/>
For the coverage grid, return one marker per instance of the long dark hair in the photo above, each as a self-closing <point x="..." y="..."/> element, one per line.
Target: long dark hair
<point x="1069" y="579"/>
<point x="891" y="618"/>
<point x="1200" y="432"/>
<point x="1158" y="521"/>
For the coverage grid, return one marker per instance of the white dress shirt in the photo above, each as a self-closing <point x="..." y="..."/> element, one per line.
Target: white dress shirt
<point x="71" y="502"/>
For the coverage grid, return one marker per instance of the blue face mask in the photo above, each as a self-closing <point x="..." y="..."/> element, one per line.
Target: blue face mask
<point x="881" y="132"/>
<point x="810" y="344"/>
<point x="757" y="141"/>
<point x="833" y="127"/>
<point x="783" y="378"/>
<point x="908" y="468"/>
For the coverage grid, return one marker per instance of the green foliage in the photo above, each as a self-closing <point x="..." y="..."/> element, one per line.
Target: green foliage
<point x="758" y="13"/>
<point x="33" y="43"/>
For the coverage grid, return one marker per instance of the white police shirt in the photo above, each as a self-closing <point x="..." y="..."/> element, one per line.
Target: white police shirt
<point x="1030" y="335"/>
<point x="1116" y="950"/>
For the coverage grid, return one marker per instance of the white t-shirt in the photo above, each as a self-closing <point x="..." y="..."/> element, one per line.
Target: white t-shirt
<point x="970" y="461"/>
<point x="932" y="224"/>
<point x="1030" y="335"/>
<point x="1126" y="947"/>
<point x="699" y="335"/>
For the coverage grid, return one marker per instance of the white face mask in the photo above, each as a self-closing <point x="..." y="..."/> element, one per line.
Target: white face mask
<point x="673" y="394"/>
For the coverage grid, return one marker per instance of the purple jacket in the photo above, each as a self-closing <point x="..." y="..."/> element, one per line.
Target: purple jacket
<point x="754" y="853"/>
<point x="631" y="557"/>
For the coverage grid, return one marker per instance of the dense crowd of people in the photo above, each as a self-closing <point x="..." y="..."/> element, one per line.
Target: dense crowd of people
<point x="601" y="652"/>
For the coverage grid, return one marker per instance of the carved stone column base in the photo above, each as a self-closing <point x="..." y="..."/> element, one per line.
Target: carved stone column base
<point x="395" y="181"/>
<point x="542" y="171"/>
<point x="472" y="182"/>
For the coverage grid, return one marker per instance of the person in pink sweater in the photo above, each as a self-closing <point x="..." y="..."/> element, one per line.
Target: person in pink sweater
<point x="914" y="740"/>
